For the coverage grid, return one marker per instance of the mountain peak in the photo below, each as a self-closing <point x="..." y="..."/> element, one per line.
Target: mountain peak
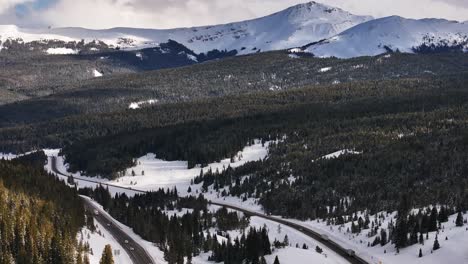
<point x="395" y="33"/>
<point x="291" y="27"/>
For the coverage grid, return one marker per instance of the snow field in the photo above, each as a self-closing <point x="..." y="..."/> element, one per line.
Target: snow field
<point x="98" y="240"/>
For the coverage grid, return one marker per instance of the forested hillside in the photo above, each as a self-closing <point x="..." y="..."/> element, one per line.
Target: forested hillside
<point x="267" y="72"/>
<point x="199" y="133"/>
<point x="39" y="215"/>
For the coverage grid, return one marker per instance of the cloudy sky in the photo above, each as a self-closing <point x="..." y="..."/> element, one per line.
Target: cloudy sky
<point x="182" y="13"/>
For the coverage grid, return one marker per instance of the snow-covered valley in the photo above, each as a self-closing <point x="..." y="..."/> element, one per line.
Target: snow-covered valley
<point x="151" y="173"/>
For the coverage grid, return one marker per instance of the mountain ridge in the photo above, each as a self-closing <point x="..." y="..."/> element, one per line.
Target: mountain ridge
<point x="293" y="26"/>
<point x="395" y="34"/>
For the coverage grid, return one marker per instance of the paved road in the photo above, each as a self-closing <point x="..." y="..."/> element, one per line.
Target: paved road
<point x="349" y="255"/>
<point x="333" y="246"/>
<point x="135" y="251"/>
<point x="54" y="169"/>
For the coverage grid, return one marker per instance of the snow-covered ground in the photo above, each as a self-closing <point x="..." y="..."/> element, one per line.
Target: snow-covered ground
<point x="61" y="51"/>
<point x="7" y="156"/>
<point x="159" y="173"/>
<point x="453" y="250"/>
<point x="80" y="181"/>
<point x="156" y="254"/>
<point x="10" y="156"/>
<point x="137" y="105"/>
<point x="152" y="173"/>
<point x="164" y="174"/>
<point x="326" y="69"/>
<point x="98" y="240"/>
<point x="97" y="73"/>
<point x="287" y="255"/>
<point x="340" y="153"/>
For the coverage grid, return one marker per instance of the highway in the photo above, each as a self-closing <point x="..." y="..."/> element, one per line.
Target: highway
<point x="135" y="251"/>
<point x="347" y="254"/>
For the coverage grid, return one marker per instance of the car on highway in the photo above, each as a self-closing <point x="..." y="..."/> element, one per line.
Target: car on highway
<point x="351" y="252"/>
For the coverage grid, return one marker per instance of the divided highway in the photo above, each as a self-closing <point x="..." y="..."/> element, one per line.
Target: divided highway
<point x="347" y="254"/>
<point x="135" y="251"/>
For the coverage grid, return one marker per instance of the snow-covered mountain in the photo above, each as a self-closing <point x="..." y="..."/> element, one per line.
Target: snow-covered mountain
<point x="295" y="26"/>
<point x="395" y="34"/>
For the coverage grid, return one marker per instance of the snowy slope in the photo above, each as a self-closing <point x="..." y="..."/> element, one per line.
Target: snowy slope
<point x="395" y="33"/>
<point x="295" y="26"/>
<point x="98" y="240"/>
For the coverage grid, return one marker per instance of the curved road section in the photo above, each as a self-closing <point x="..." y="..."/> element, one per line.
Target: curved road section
<point x="347" y="254"/>
<point x="135" y="251"/>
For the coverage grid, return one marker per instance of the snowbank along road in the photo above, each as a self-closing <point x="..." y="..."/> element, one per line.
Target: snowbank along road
<point x="347" y="254"/>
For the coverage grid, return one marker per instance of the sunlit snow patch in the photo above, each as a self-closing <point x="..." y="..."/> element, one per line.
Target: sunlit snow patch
<point x="137" y="105"/>
<point x="339" y="153"/>
<point x="61" y="51"/>
<point x="153" y="173"/>
<point x="326" y="69"/>
<point x="97" y="73"/>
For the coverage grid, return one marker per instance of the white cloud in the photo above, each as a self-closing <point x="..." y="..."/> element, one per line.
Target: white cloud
<point x="449" y="9"/>
<point x="7" y="4"/>
<point x="182" y="13"/>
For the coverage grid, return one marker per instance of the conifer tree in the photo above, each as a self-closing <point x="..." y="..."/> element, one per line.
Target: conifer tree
<point x="107" y="257"/>
<point x="86" y="259"/>
<point x="459" y="220"/>
<point x="436" y="244"/>
<point x="420" y="253"/>
<point x="276" y="260"/>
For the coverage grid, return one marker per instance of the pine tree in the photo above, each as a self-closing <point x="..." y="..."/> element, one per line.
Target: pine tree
<point x="436" y="244"/>
<point x="383" y="237"/>
<point x="420" y="253"/>
<point x="459" y="221"/>
<point x="86" y="259"/>
<point x="318" y="249"/>
<point x="107" y="257"/>
<point x="286" y="241"/>
<point x="276" y="260"/>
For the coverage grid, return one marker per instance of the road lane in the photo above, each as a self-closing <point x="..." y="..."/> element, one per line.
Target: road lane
<point x="347" y="254"/>
<point x="137" y="253"/>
